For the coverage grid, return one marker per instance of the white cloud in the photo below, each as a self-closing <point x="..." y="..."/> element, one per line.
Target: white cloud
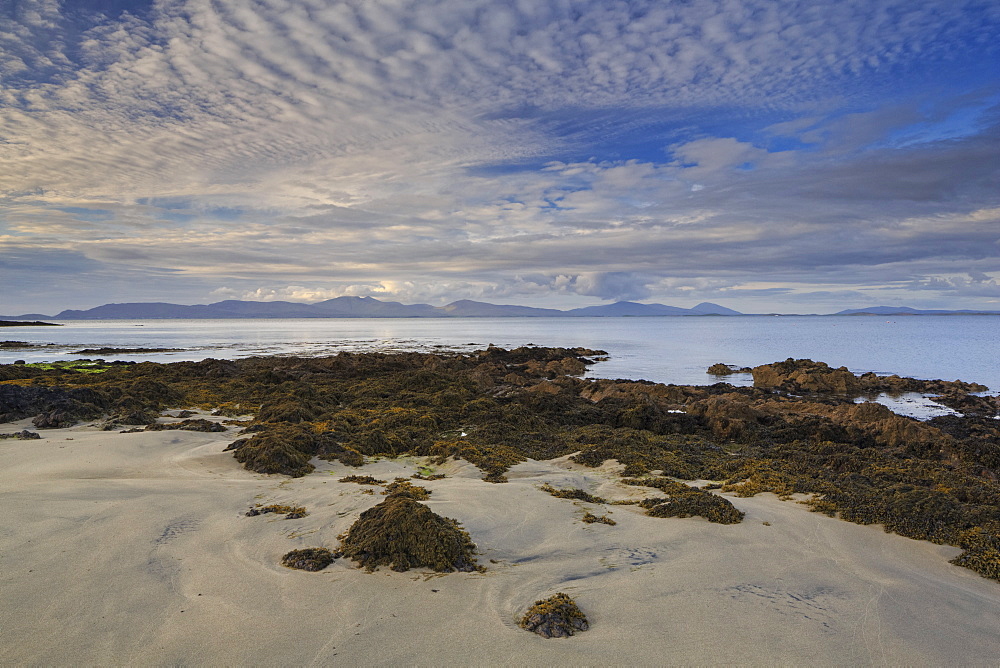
<point x="327" y="148"/>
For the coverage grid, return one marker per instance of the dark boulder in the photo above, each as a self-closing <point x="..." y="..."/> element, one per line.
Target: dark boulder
<point x="555" y="617"/>
<point x="23" y="435"/>
<point x="199" y="424"/>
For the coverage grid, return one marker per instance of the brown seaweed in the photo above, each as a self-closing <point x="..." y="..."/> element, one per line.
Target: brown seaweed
<point x="685" y="501"/>
<point x="309" y="559"/>
<point x="401" y="533"/>
<point x="798" y="431"/>
<point x="557" y="616"/>
<point x="572" y="493"/>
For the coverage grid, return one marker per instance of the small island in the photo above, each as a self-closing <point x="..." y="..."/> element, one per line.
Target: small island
<point x="124" y="351"/>
<point x="24" y="323"/>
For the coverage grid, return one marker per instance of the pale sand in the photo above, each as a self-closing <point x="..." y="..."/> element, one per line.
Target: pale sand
<point x="133" y="549"/>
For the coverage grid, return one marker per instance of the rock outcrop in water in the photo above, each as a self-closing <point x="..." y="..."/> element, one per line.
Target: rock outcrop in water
<point x="807" y="376"/>
<point x="720" y="369"/>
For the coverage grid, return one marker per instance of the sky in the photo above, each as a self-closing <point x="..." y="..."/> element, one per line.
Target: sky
<point x="766" y="155"/>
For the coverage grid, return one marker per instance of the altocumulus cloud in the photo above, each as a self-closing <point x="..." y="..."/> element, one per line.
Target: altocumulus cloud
<point x="759" y="152"/>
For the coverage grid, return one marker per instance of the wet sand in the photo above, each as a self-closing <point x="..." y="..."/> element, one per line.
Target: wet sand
<point x="134" y="549"/>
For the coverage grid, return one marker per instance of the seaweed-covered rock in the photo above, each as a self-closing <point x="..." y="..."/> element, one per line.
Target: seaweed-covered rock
<point x="123" y="351"/>
<point x="199" y="424"/>
<point x="55" y="419"/>
<point x="727" y="415"/>
<point x="330" y="449"/>
<point x="282" y="448"/>
<point x="711" y="507"/>
<point x="53" y="407"/>
<point x="982" y="552"/>
<point x="493" y="459"/>
<point x="572" y="493"/>
<point x="135" y="416"/>
<point x="309" y="559"/>
<point x="23" y="435"/>
<point x="721" y="369"/>
<point x="362" y="480"/>
<point x="894" y="384"/>
<point x="555" y="617"/>
<point x="429" y="476"/>
<point x="402" y="534"/>
<point x="403" y="487"/>
<point x="806" y="376"/>
<point x="686" y="501"/>
<point x="290" y="512"/>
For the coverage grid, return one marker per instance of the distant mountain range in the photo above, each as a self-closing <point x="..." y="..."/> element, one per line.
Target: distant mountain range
<point x="369" y="307"/>
<point x="364" y="307"/>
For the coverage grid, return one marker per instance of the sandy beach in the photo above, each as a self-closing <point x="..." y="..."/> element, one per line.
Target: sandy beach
<point x="134" y="549"/>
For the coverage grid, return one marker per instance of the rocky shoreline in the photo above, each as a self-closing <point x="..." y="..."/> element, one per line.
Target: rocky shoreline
<point x="798" y="430"/>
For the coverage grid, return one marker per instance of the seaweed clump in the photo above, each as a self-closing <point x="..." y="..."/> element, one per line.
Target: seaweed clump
<point x="401" y="533"/>
<point x="309" y="559"/>
<point x="590" y="518"/>
<point x="282" y="448"/>
<point x="290" y="512"/>
<point x="23" y="435"/>
<point x="572" y="493"/>
<point x="555" y="617"/>
<point x="720" y="369"/>
<point x="685" y="501"/>
<point x="198" y="424"/>
<point x="403" y="487"/>
<point x="362" y="480"/>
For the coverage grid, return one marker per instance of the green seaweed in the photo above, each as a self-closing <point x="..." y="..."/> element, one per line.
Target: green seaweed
<point x="77" y="366"/>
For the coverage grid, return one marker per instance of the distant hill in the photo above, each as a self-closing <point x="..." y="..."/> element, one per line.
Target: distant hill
<point x="906" y="310"/>
<point x="628" y="309"/>
<point x="708" y="308"/>
<point x="367" y="307"/>
<point x="466" y="308"/>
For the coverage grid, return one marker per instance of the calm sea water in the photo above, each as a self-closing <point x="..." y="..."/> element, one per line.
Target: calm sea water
<point x="665" y="349"/>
